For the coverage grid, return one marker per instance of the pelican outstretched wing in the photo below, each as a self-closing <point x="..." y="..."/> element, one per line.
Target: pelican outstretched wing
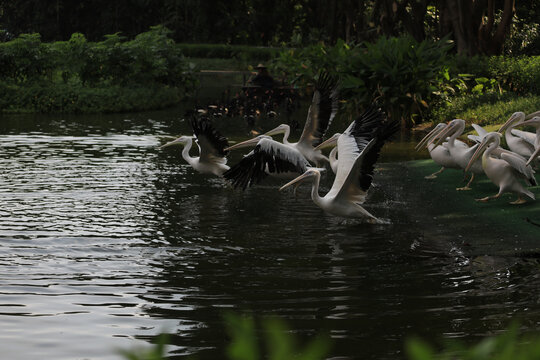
<point x="323" y="109"/>
<point x="269" y="157"/>
<point x="359" y="148"/>
<point x="211" y="143"/>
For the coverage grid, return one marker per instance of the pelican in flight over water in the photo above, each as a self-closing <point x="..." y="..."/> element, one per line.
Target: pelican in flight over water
<point x="211" y="146"/>
<point x="323" y="109"/>
<point x="504" y="172"/>
<point x="358" y="150"/>
<point x="269" y="157"/>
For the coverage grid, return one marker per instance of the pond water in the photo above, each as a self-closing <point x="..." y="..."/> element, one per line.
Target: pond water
<point x="106" y="242"/>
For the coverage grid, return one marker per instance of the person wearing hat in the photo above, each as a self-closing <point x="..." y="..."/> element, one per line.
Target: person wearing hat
<point x="263" y="77"/>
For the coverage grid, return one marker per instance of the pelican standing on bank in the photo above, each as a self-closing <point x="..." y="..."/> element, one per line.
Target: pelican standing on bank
<point x="535" y="121"/>
<point x="504" y="172"/>
<point x="461" y="154"/>
<point x="212" y="154"/>
<point x="323" y="109"/>
<point x="440" y="154"/>
<point x="358" y="150"/>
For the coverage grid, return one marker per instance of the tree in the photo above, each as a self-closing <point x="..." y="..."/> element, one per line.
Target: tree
<point x="472" y="23"/>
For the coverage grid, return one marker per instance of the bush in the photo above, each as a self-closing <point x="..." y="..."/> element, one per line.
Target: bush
<point x="400" y="73"/>
<point x="80" y="76"/>
<point x="68" y="98"/>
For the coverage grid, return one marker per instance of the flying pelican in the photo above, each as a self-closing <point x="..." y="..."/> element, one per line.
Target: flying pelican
<point x="332" y="156"/>
<point x="269" y="157"/>
<point x="323" y="109"/>
<point x="440" y="154"/>
<point x="358" y="150"/>
<point x="211" y="146"/>
<point x="503" y="172"/>
<point x="461" y="154"/>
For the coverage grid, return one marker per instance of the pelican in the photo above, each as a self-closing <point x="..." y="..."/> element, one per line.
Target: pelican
<point x="332" y="156"/>
<point x="535" y="121"/>
<point x="269" y="157"/>
<point x="520" y="142"/>
<point x="440" y="154"/>
<point x="358" y="149"/>
<point x="503" y="172"/>
<point x="211" y="146"/>
<point x="461" y="154"/>
<point x="323" y="109"/>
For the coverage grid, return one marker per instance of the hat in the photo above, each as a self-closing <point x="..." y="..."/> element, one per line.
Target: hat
<point x="260" y="66"/>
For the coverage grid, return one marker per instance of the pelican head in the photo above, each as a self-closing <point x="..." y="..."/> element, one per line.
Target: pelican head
<point x="490" y="138"/>
<point x="452" y="127"/>
<point x="330" y="142"/>
<point x="283" y="128"/>
<point x="431" y="135"/>
<point x="513" y="119"/>
<point x="247" y="143"/>
<point x="309" y="174"/>
<point x="182" y="140"/>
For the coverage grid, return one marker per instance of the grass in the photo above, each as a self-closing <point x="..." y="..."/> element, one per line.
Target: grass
<point x="486" y="109"/>
<point x="495" y="226"/>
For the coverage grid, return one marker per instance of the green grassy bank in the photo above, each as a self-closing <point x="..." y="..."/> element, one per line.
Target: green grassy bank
<point x="495" y="227"/>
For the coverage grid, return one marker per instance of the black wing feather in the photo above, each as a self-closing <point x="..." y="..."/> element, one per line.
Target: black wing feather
<point x="252" y="168"/>
<point x="202" y="126"/>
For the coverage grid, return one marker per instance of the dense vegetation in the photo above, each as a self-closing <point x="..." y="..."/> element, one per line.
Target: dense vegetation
<point x="81" y="76"/>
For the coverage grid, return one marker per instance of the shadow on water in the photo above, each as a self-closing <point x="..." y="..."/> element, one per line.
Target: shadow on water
<point x="107" y="241"/>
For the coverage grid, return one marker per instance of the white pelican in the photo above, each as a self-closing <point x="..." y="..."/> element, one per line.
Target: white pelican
<point x="504" y="172"/>
<point x="211" y="146"/>
<point x="535" y="121"/>
<point x="332" y="156"/>
<point x="440" y="154"/>
<point x="269" y="157"/>
<point x="460" y="153"/>
<point x="358" y="149"/>
<point x="323" y="109"/>
<point x="520" y="142"/>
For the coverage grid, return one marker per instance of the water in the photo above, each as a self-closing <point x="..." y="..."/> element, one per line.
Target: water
<point x="106" y="242"/>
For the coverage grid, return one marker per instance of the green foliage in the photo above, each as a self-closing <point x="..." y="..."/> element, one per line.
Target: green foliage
<point x="81" y="76"/>
<point x="280" y="343"/>
<point x="400" y="73"/>
<point x="46" y="97"/>
<point x="507" y="346"/>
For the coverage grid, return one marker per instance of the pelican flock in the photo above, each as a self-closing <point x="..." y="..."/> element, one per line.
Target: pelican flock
<point x="352" y="159"/>
<point x="355" y="152"/>
<point x="509" y="169"/>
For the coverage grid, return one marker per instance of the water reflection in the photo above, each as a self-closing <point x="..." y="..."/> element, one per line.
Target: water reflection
<point x="106" y="241"/>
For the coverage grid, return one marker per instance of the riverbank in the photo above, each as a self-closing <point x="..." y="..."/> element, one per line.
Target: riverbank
<point x="495" y="228"/>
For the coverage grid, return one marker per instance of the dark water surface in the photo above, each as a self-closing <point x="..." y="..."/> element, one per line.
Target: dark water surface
<point x="106" y="242"/>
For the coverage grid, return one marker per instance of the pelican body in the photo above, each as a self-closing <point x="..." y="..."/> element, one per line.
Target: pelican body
<point x="460" y="152"/>
<point x="212" y="154"/>
<point x="535" y="121"/>
<point x="358" y="149"/>
<point x="323" y="109"/>
<point x="506" y="171"/>
<point x="440" y="154"/>
<point x="269" y="157"/>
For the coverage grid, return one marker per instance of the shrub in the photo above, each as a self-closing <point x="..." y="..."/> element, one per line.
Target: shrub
<point x="402" y="74"/>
